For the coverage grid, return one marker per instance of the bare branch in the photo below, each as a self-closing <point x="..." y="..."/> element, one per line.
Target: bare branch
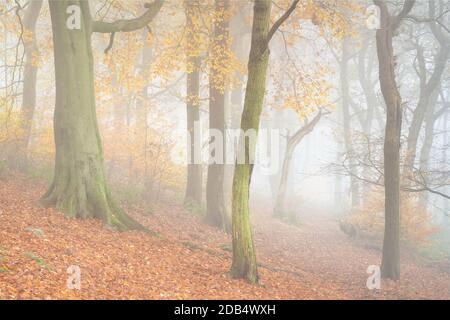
<point x="129" y="24"/>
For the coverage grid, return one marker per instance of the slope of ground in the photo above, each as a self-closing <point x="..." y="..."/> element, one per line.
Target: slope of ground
<point x="188" y="261"/>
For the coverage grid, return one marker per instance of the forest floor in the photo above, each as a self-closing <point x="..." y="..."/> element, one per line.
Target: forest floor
<point x="189" y="260"/>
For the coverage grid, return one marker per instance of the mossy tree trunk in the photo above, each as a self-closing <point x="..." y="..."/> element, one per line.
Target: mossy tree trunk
<point x="216" y="213"/>
<point x="244" y="257"/>
<point x="390" y="263"/>
<point x="233" y="109"/>
<point x="79" y="187"/>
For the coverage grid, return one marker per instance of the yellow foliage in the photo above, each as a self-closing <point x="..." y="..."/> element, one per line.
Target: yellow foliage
<point x="10" y="126"/>
<point x="415" y="222"/>
<point x="304" y="92"/>
<point x="142" y="155"/>
<point x="42" y="148"/>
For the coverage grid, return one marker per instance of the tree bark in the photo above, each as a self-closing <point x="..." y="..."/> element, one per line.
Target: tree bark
<point x="244" y="256"/>
<point x="390" y="264"/>
<point x="193" y="196"/>
<point x="419" y="114"/>
<point x="365" y="79"/>
<point x="79" y="187"/>
<point x="233" y="105"/>
<point x="427" y="88"/>
<point x="364" y="74"/>
<point x="29" y="78"/>
<point x="216" y="214"/>
<point x="280" y="208"/>
<point x="345" y="91"/>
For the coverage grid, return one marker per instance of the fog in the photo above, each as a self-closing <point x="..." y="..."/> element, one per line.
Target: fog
<point x="298" y="144"/>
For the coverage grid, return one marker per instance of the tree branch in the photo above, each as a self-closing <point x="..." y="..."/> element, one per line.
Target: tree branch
<point x="407" y="7"/>
<point x="281" y="20"/>
<point x="110" y="44"/>
<point x="129" y="24"/>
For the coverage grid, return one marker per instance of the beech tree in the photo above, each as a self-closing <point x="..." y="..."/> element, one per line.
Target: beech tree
<point x="194" y="188"/>
<point x="244" y="257"/>
<point x="216" y="213"/>
<point x="292" y="142"/>
<point x="346" y="118"/>
<point x="390" y="264"/>
<point x="79" y="187"/>
<point x="428" y="87"/>
<point x="29" y="75"/>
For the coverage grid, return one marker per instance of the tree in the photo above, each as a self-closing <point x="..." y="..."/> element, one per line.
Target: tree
<point x="193" y="60"/>
<point x="29" y="75"/>
<point x="390" y="264"/>
<point x="239" y="31"/>
<point x="79" y="187"/>
<point x="303" y="89"/>
<point x="216" y="213"/>
<point x="244" y="257"/>
<point x="428" y="88"/>
<point x="292" y="143"/>
<point x="346" y="119"/>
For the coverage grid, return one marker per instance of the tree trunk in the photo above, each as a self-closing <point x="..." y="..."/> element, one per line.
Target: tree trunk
<point x="29" y="77"/>
<point x="193" y="197"/>
<point x="427" y="88"/>
<point x="143" y="106"/>
<point x="244" y="256"/>
<point x="420" y="111"/>
<point x="280" y="209"/>
<point x="425" y="151"/>
<point x="233" y="105"/>
<point x="216" y="214"/>
<point x="365" y="80"/>
<point x="446" y="143"/>
<point x="390" y="263"/>
<point x="79" y="187"/>
<point x="345" y="91"/>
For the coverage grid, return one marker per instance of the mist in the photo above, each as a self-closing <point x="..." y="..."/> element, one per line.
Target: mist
<point x="224" y="149"/>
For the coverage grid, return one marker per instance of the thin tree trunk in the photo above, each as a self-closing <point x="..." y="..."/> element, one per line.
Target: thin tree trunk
<point x="280" y="205"/>
<point x="216" y="214"/>
<point x="427" y="88"/>
<point x="142" y="110"/>
<point x="364" y="74"/>
<point x="280" y="211"/>
<point x="193" y="197"/>
<point x="345" y="91"/>
<point x="390" y="263"/>
<point x="425" y="151"/>
<point x="233" y="107"/>
<point x="365" y="79"/>
<point x="244" y="256"/>
<point x="29" y="78"/>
